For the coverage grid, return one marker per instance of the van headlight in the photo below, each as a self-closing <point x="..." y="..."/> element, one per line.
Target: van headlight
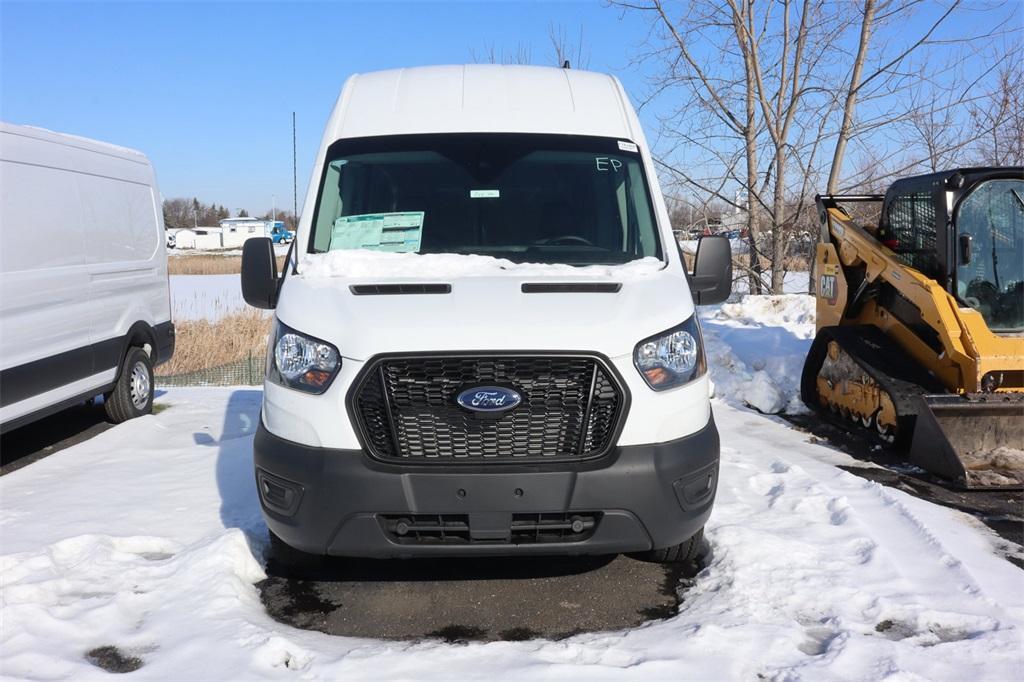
<point x="671" y="358"/>
<point x="301" y="362"/>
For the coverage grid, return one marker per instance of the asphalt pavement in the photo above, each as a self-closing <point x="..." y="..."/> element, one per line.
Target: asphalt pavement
<point x="32" y="442"/>
<point x="476" y="599"/>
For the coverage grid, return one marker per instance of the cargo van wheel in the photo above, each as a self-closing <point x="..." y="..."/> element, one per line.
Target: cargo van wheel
<point x="287" y="562"/>
<point x="133" y="395"/>
<point x="683" y="553"/>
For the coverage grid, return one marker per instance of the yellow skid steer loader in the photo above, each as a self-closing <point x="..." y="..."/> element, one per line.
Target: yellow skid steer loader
<point x="920" y="321"/>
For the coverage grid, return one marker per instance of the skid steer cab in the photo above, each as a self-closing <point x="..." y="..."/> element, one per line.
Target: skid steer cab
<point x="920" y="321"/>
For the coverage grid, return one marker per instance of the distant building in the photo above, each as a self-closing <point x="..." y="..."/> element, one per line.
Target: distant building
<point x="231" y="233"/>
<point x="252" y="227"/>
<point x="202" y="237"/>
<point x="245" y="228"/>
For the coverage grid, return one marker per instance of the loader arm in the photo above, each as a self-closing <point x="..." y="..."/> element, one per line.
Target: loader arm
<point x="873" y="287"/>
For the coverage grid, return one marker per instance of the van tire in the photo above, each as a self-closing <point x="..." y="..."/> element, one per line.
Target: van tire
<point x="133" y="393"/>
<point x="685" y="552"/>
<point x="285" y="561"/>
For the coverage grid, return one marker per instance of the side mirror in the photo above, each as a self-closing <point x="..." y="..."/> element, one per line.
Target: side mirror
<point x="965" y="249"/>
<point x="711" y="281"/>
<point x="259" y="273"/>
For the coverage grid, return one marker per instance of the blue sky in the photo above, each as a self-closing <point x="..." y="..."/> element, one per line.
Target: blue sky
<point x="206" y="90"/>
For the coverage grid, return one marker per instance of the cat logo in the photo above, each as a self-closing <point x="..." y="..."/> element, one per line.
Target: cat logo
<point x="828" y="288"/>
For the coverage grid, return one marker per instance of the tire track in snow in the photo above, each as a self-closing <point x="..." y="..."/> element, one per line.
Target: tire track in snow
<point x="904" y="542"/>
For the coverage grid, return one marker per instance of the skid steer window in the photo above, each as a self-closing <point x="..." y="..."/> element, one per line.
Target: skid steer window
<point x="911" y="231"/>
<point x="991" y="279"/>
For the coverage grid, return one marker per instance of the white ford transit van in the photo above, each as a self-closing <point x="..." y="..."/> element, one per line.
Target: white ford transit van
<point x="84" y="296"/>
<point x="485" y="338"/>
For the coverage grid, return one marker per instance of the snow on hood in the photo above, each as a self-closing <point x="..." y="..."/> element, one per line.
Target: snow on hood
<point x="486" y="309"/>
<point x="366" y="263"/>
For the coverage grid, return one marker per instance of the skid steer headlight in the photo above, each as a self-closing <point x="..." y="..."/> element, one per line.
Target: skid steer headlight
<point x="672" y="358"/>
<point x="301" y="362"/>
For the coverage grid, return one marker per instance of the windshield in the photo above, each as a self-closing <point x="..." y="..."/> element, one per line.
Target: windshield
<point x="528" y="198"/>
<point x="991" y="280"/>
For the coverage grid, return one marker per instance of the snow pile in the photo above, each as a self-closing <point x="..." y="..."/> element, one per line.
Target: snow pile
<point x="756" y="349"/>
<point x="791" y="311"/>
<point x="148" y="538"/>
<point x="367" y="263"/>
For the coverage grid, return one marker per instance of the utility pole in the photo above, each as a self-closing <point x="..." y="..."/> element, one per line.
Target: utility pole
<point x="273" y="206"/>
<point x="295" y="177"/>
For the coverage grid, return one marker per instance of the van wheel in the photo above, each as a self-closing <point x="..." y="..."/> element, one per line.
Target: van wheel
<point x="287" y="562"/>
<point x="133" y="395"/>
<point x="685" y="552"/>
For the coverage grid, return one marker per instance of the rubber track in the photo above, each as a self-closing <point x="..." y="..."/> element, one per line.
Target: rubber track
<point x="892" y="368"/>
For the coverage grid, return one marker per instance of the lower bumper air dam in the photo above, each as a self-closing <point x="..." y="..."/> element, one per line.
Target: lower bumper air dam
<point x="344" y="503"/>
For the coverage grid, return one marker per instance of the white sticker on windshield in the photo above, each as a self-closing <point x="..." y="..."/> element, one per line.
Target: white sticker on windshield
<point x="484" y="193"/>
<point x="399" y="232"/>
<point x="627" y="146"/>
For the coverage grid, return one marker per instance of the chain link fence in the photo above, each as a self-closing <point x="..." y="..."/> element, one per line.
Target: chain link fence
<point x="245" y="372"/>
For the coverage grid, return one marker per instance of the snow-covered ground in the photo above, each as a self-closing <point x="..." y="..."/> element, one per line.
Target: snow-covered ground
<point x="210" y="297"/>
<point x="148" y="537"/>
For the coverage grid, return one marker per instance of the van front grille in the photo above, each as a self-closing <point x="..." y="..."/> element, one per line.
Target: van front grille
<point x="406" y="409"/>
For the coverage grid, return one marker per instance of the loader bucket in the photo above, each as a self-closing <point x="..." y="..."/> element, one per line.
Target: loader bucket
<point x="975" y="440"/>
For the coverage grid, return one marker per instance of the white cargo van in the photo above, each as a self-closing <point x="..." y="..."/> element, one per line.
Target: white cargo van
<point x="485" y="338"/>
<point x="84" y="296"/>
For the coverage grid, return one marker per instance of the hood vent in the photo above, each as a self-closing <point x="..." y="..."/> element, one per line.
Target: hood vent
<point x="571" y="287"/>
<point x="399" y="289"/>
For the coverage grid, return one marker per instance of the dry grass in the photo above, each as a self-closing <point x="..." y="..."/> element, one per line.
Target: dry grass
<point x="201" y="344"/>
<point x="209" y="264"/>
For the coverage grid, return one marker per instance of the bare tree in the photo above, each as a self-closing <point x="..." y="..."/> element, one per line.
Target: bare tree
<point x="180" y="212"/>
<point x="565" y="50"/>
<point x="177" y="213"/>
<point x="999" y="116"/>
<point x="751" y="107"/>
<point x="492" y="55"/>
<point x="764" y="90"/>
<point x="850" y="105"/>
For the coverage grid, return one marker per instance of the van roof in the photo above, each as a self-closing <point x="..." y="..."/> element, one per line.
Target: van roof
<point x="73" y="141"/>
<point x="483" y="98"/>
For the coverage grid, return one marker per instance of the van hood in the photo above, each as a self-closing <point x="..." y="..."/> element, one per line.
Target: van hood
<point x="485" y="313"/>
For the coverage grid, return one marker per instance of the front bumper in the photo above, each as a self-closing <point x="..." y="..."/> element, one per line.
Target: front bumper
<point x="342" y="502"/>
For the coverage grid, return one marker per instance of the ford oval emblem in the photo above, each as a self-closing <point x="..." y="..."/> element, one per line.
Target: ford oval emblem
<point x="488" y="399"/>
